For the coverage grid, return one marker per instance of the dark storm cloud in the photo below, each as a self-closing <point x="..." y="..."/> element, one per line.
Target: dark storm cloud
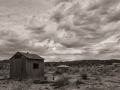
<point x="102" y="4"/>
<point x="36" y="30"/>
<point x="57" y="16"/>
<point x="114" y="16"/>
<point x="60" y="1"/>
<point x="4" y="33"/>
<point x="12" y="43"/>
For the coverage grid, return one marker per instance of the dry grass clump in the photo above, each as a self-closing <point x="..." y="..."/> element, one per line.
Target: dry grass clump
<point x="94" y="88"/>
<point x="21" y="86"/>
<point x="1" y="73"/>
<point x="84" y="69"/>
<point x="4" y="73"/>
<point x="84" y="76"/>
<point x="52" y="68"/>
<point x="74" y="70"/>
<point x="45" y="78"/>
<point x="59" y="71"/>
<point x="102" y="88"/>
<point x="78" y="81"/>
<point x="101" y="70"/>
<point x="61" y="81"/>
<point x="106" y="71"/>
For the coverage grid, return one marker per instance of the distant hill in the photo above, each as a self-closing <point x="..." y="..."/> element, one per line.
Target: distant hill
<point x="73" y="63"/>
<point x="84" y="62"/>
<point x="6" y="60"/>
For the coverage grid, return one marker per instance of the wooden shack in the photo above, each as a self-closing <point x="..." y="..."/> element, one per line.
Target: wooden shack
<point x="26" y="66"/>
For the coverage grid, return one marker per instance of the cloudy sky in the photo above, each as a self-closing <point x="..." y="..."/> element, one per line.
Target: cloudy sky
<point x="60" y="30"/>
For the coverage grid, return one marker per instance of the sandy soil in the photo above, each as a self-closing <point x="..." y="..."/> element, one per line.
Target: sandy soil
<point x="105" y="78"/>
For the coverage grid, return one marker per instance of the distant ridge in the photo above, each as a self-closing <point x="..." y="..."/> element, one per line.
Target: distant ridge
<point x="84" y="62"/>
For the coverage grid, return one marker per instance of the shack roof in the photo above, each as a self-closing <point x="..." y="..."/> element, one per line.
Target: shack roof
<point x="62" y="66"/>
<point x="30" y="56"/>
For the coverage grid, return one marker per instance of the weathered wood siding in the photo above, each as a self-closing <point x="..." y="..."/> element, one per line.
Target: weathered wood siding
<point x="12" y="68"/>
<point x="23" y="68"/>
<point x="35" y="74"/>
<point x="18" y="68"/>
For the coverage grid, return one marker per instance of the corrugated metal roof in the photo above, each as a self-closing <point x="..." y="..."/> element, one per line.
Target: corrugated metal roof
<point x="31" y="56"/>
<point x="62" y="66"/>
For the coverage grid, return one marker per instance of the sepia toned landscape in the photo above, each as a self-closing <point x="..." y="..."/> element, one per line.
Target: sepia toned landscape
<point x="59" y="44"/>
<point x="82" y="75"/>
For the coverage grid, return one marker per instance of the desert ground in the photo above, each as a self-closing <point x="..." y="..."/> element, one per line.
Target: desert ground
<point x="102" y="77"/>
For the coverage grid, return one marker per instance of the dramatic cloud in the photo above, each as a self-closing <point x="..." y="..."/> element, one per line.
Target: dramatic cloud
<point x="61" y="29"/>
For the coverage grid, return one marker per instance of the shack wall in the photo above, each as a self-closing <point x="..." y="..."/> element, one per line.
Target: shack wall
<point x="18" y="68"/>
<point x="35" y="74"/>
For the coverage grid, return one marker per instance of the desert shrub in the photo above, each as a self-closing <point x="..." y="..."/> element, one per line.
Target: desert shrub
<point x="50" y="69"/>
<point x="94" y="72"/>
<point x="97" y="70"/>
<point x="61" y="81"/>
<point x="112" y="74"/>
<point x="94" y="88"/>
<point x="83" y="69"/>
<point x="74" y="70"/>
<point x="105" y="70"/>
<point x="62" y="88"/>
<point x="45" y="77"/>
<point x="59" y="71"/>
<point x="97" y="78"/>
<point x="112" y="67"/>
<point x="21" y="87"/>
<point x="1" y="72"/>
<point x="78" y="81"/>
<point x="84" y="76"/>
<point x="4" y="73"/>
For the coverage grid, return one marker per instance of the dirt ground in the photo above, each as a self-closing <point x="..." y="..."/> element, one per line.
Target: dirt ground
<point x="98" y="78"/>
